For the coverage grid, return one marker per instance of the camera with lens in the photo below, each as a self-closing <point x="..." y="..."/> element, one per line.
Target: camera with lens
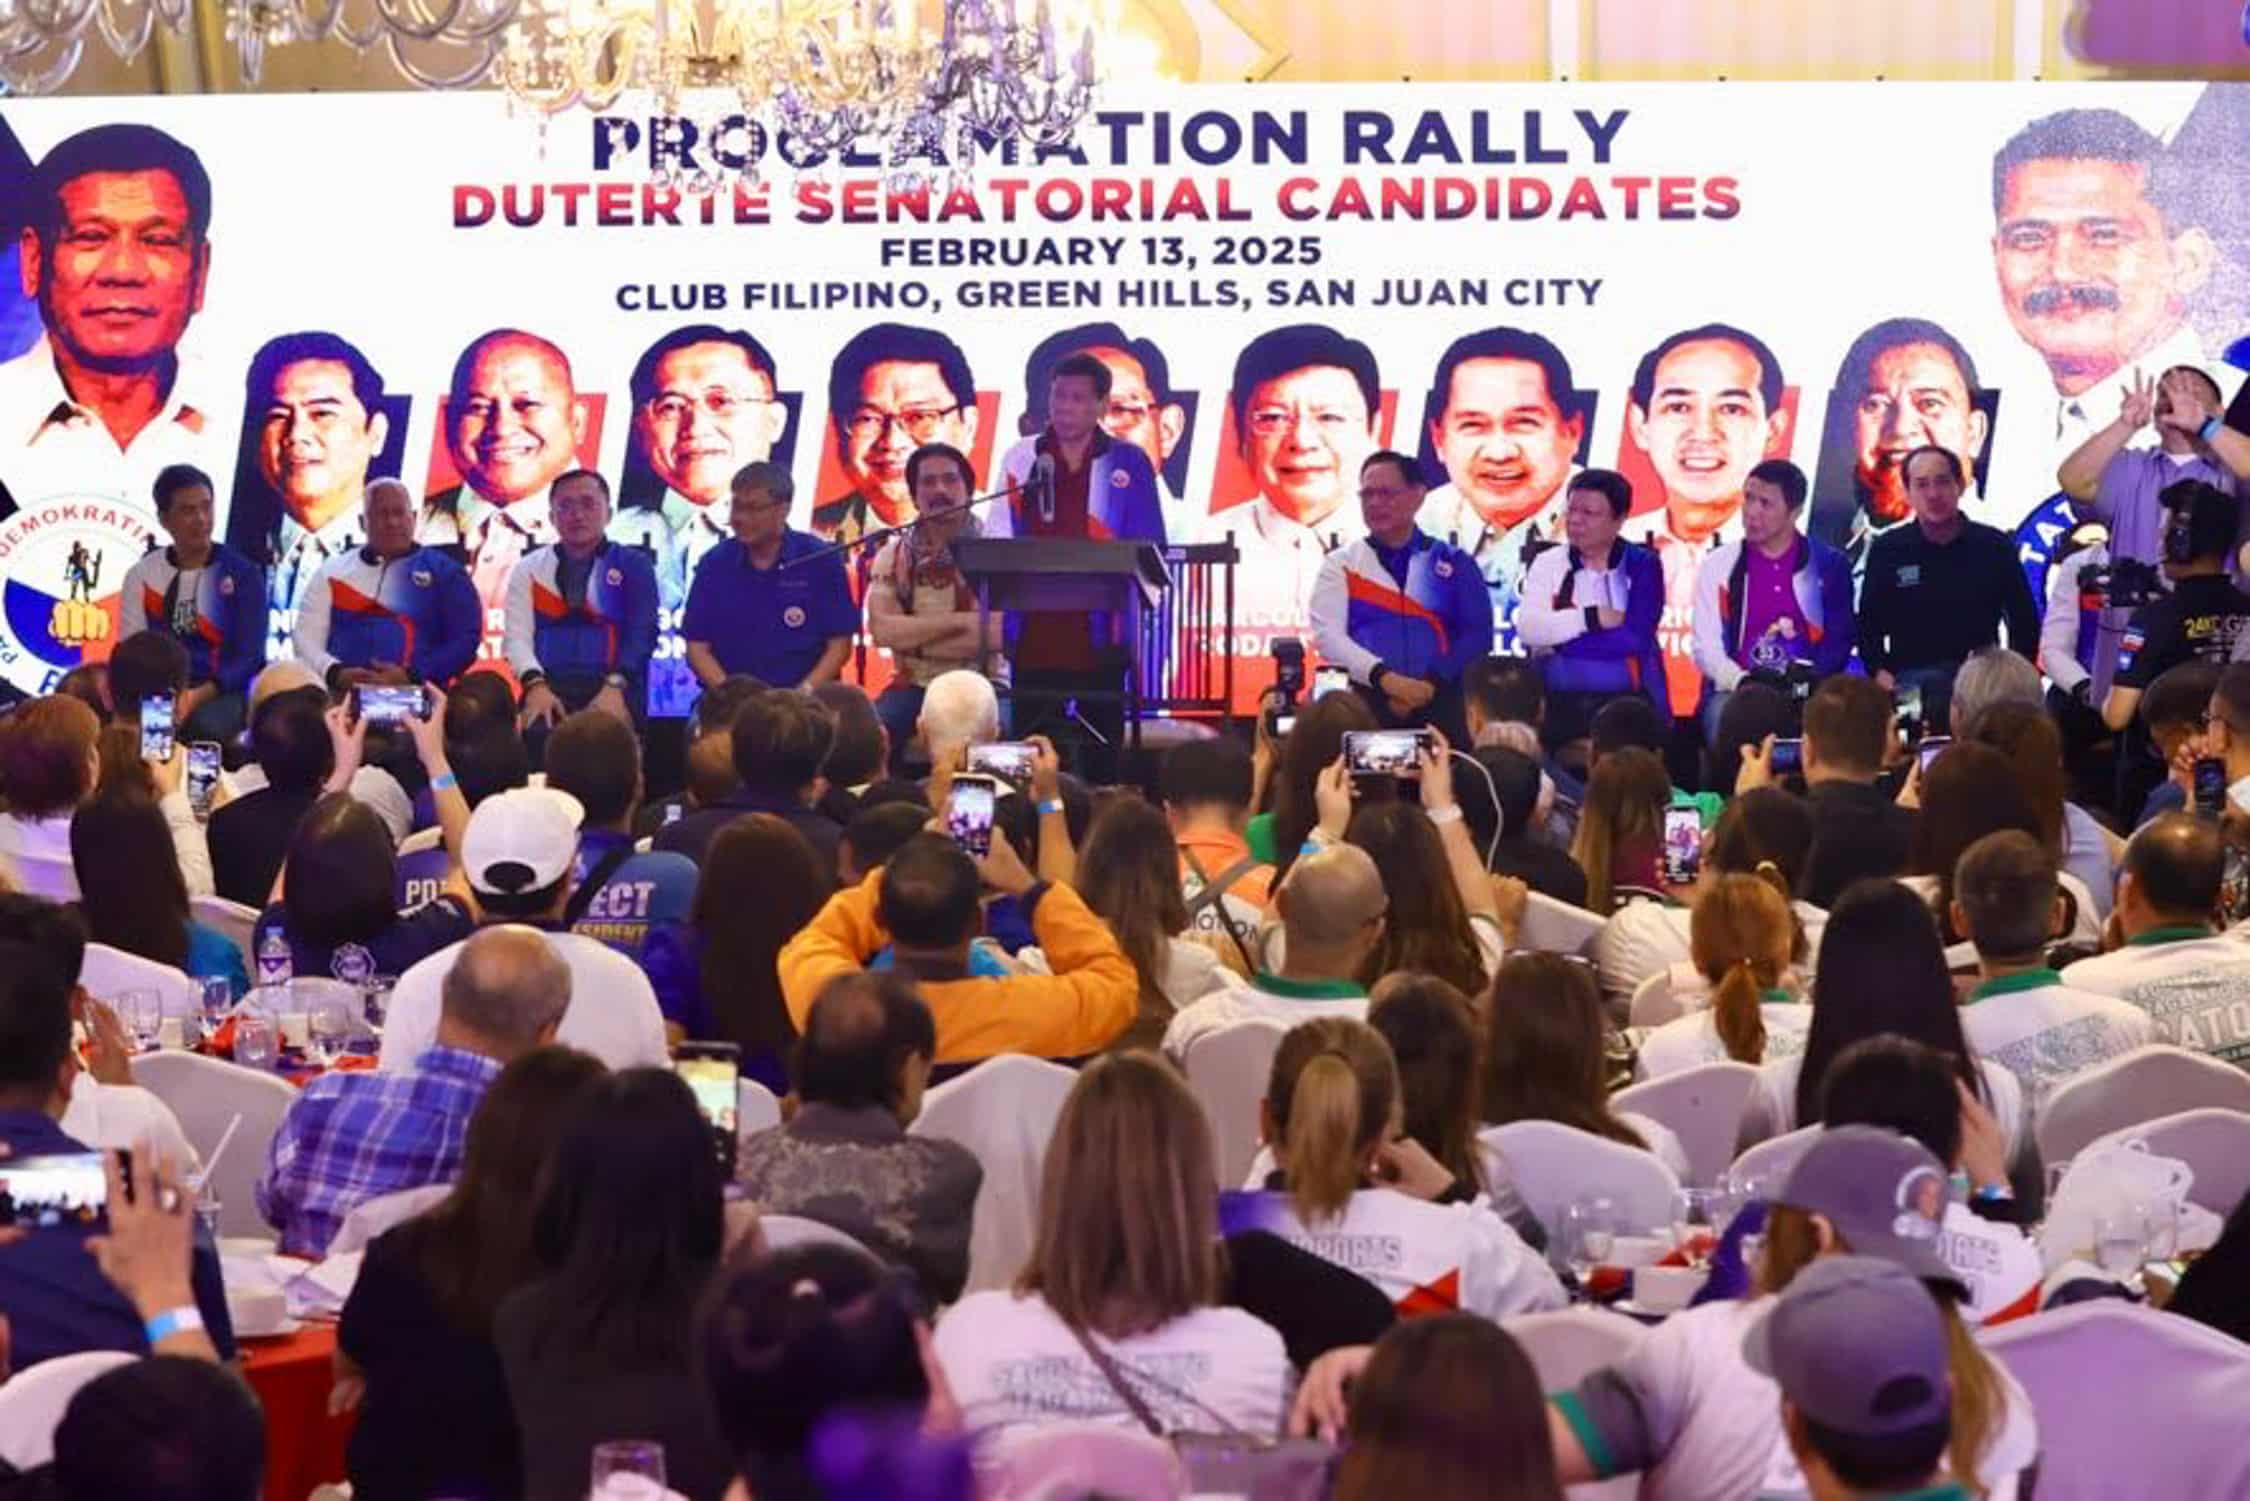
<point x="1280" y="704"/>
<point x="2124" y="584"/>
<point x="1795" y="683"/>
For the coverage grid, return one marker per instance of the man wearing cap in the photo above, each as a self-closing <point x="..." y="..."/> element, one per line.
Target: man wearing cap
<point x="351" y="1137"/>
<point x="1687" y="1407"/>
<point x="1858" y="1348"/>
<point x="519" y="853"/>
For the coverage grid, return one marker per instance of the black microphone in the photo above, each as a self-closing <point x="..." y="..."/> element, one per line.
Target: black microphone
<point x="1043" y="481"/>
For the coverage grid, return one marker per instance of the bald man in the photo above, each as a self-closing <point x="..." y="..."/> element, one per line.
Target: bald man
<point x="393" y="612"/>
<point x="1332" y="911"/>
<point x="513" y="424"/>
<point x="351" y="1137"/>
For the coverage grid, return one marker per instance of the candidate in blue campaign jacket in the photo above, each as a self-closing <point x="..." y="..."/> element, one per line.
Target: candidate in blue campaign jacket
<point x="1402" y="612"/>
<point x="1590" y="608"/>
<point x="392" y="610"/>
<point x="1773" y="597"/>
<point x="581" y="611"/>
<point x="205" y="595"/>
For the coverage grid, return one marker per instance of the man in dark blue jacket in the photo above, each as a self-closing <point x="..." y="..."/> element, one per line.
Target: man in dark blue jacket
<point x="205" y="595"/>
<point x="581" y="612"/>
<point x="391" y="612"/>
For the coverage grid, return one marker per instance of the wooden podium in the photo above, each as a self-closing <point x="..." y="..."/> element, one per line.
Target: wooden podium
<point x="1063" y="574"/>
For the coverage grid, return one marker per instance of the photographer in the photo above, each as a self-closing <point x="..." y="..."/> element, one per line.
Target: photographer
<point x="2199" y="620"/>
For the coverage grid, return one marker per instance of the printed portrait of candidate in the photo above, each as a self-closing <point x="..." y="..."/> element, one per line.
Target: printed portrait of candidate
<point x="317" y="424"/>
<point x="1903" y="384"/>
<point x="705" y="403"/>
<point x="113" y="244"/>
<point x="892" y="388"/>
<point x="1143" y="408"/>
<point x="1706" y="408"/>
<point x="1507" y="424"/>
<point x="2096" y="270"/>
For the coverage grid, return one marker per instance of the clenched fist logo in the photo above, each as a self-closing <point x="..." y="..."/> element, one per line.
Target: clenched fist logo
<point x="76" y="622"/>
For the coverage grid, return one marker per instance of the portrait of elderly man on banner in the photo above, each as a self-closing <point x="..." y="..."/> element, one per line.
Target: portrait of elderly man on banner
<point x="114" y="245"/>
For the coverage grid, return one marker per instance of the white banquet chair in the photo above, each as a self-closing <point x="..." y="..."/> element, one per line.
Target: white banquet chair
<point x="1770" y="1160"/>
<point x="755" y="1109"/>
<point x="1702" y="1105"/>
<point x="1565" y="1347"/>
<point x="1004" y="1111"/>
<point x="206" y="1094"/>
<point x="238" y="922"/>
<point x="371" y="1217"/>
<point x="2142" y="1085"/>
<point x="1655" y="1001"/>
<point x="1553" y="926"/>
<point x="2214" y="1143"/>
<point x="799" y="1230"/>
<point x="1227" y="1069"/>
<point x="108" y="973"/>
<point x="33" y="1402"/>
<point x="1550" y="1164"/>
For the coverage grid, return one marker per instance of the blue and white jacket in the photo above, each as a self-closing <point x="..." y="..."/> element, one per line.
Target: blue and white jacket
<point x="219" y="615"/>
<point x="612" y="629"/>
<point x="1821" y="578"/>
<point x="1556" y="620"/>
<point x="418" y="610"/>
<point x="1432" y="628"/>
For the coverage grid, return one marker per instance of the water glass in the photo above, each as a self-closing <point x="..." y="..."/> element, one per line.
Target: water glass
<point x="218" y="1000"/>
<point x="1589" y="1234"/>
<point x="257" y="1038"/>
<point x="375" y="1000"/>
<point x="628" y="1470"/>
<point x="2163" y="1223"/>
<point x="142" y="1011"/>
<point x="1694" y="1215"/>
<point x="328" y="1026"/>
<point x="2121" y="1240"/>
<point x="207" y="1209"/>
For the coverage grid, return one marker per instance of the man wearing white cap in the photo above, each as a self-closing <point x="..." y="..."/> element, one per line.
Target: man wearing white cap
<point x="518" y="854"/>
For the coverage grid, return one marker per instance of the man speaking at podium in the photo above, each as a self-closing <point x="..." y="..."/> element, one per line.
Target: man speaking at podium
<point x="1074" y="480"/>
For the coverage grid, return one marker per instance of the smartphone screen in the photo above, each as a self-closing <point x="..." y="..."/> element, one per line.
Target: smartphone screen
<point x="2210" y="787"/>
<point x="384" y="703"/>
<point x="156" y="727"/>
<point x="1788" y="757"/>
<point x="44" y="1193"/>
<point x="1283" y="724"/>
<point x="1683" y="846"/>
<point x="202" y="774"/>
<point x="968" y="813"/>
<point x="1327" y="680"/>
<point x="1931" y="748"/>
<point x="1009" y="760"/>
<point x="712" y="1072"/>
<point x="1909" y="701"/>
<point x="1396" y="753"/>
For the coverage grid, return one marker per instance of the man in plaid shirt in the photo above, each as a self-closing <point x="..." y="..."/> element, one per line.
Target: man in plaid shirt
<point x="351" y="1137"/>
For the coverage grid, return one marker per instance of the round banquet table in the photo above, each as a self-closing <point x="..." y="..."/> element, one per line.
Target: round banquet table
<point x="291" y="1374"/>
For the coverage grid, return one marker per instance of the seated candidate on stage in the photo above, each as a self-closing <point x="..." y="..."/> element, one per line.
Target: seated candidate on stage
<point x="755" y="607"/>
<point x="205" y="595"/>
<point x="919" y="608"/>
<point x="1074" y="480"/>
<point x="1402" y="612"/>
<point x="581" y="612"/>
<point x="392" y="611"/>
<point x="1590" y="608"/>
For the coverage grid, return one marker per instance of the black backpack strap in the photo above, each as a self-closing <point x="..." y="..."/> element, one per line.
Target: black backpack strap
<point x="1212" y="895"/>
<point x="596" y="879"/>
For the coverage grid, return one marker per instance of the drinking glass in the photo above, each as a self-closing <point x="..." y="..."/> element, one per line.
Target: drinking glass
<point x="207" y="1209"/>
<point x="1693" y="1211"/>
<point x="2163" y="1224"/>
<point x="628" y="1470"/>
<point x="375" y="1000"/>
<point x="218" y="1000"/>
<point x="1589" y="1234"/>
<point x="143" y="1014"/>
<point x="257" y="1038"/>
<point x="2121" y="1240"/>
<point x="328" y="1025"/>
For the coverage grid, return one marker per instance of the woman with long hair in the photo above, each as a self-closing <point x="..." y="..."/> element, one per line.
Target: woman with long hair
<point x="2027" y="735"/>
<point x="1448" y="1409"/>
<point x="1764" y="831"/>
<point x="1545" y="1056"/>
<point x="1621" y="826"/>
<point x="1430" y="927"/>
<point x="1312" y="747"/>
<point x="339" y="899"/>
<point x="132" y="894"/>
<point x="1744" y="937"/>
<point x="415" y="1340"/>
<point x="1881" y="970"/>
<point x="1432" y="1029"/>
<point x="1129" y="875"/>
<point x="1126" y="1278"/>
<point x="1343" y="1171"/>
<point x="625" y="1238"/>
<point x="1972" y="790"/>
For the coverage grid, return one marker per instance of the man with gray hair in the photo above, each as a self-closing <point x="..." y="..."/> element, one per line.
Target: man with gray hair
<point x="958" y="708"/>
<point x="1332" y="910"/>
<point x="351" y="1137"/>
<point x="394" y="612"/>
<point x="762" y="602"/>
<point x="1992" y="675"/>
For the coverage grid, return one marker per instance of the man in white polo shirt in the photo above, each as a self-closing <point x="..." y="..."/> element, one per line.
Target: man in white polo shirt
<point x="2021" y="1015"/>
<point x="518" y="853"/>
<point x="2193" y="983"/>
<point x="1332" y="911"/>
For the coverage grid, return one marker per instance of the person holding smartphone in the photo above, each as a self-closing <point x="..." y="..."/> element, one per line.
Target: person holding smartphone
<point x="1402" y="612"/>
<point x="204" y="595"/>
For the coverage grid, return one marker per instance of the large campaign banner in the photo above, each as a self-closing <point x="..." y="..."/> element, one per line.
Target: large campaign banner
<point x="1513" y="282"/>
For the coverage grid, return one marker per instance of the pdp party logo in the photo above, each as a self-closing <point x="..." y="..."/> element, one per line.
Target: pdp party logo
<point x="62" y="569"/>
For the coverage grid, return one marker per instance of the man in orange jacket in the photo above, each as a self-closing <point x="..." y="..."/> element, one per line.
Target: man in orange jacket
<point x="923" y="906"/>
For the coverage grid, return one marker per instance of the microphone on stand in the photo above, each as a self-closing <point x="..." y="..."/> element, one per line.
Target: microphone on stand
<point x="1043" y="481"/>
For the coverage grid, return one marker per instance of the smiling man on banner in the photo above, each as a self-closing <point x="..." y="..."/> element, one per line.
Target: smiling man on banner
<point x="892" y="389"/>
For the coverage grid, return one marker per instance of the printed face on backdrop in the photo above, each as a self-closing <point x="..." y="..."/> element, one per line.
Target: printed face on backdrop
<point x="713" y="411"/>
<point x="316" y="440"/>
<point x="902" y="405"/>
<point x="1133" y="414"/>
<point x="1503" y="438"/>
<point x="1306" y="432"/>
<point x="1705" y="429"/>
<point x="125" y="274"/>
<point x="2091" y="277"/>
<point x="1915" y="394"/>
<point x="517" y="422"/>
